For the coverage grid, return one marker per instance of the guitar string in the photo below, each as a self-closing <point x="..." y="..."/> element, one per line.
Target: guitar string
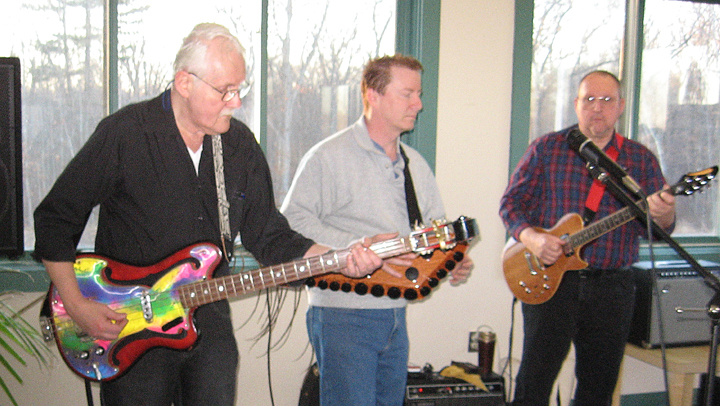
<point x="62" y="322"/>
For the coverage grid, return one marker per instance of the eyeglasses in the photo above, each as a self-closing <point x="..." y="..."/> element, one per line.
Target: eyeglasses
<point x="603" y="100"/>
<point x="240" y="92"/>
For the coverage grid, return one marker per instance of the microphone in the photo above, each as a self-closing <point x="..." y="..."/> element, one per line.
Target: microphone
<point x="595" y="156"/>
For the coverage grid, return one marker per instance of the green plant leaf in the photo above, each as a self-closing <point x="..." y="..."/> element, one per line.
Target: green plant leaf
<point x="7" y="392"/>
<point x="18" y="338"/>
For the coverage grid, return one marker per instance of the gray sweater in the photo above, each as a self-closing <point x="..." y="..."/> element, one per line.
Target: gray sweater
<point x="347" y="188"/>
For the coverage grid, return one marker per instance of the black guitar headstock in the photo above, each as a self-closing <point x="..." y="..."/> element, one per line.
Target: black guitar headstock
<point x="694" y="181"/>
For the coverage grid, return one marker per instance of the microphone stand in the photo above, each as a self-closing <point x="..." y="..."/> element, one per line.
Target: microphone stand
<point x="713" y="308"/>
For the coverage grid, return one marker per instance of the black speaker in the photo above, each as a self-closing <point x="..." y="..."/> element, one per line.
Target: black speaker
<point x="11" y="195"/>
<point x="684" y="296"/>
<point x="435" y="390"/>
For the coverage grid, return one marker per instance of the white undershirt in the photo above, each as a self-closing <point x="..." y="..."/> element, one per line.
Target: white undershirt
<point x="195" y="156"/>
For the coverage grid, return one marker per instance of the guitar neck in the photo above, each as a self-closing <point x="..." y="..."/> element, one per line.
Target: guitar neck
<point x="603" y="226"/>
<point x="686" y="186"/>
<point x="212" y="290"/>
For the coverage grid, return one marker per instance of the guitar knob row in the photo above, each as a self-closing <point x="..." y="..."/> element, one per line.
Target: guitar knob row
<point x="393" y="292"/>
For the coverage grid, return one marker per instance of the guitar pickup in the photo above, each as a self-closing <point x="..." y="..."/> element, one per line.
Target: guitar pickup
<point x="533" y="263"/>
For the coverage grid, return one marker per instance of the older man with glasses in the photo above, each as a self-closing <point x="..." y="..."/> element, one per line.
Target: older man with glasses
<point x="168" y="173"/>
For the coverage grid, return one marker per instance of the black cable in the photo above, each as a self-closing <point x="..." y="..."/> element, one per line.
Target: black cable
<point x="269" y="341"/>
<point x="88" y="393"/>
<point x="656" y="292"/>
<point x="508" y="363"/>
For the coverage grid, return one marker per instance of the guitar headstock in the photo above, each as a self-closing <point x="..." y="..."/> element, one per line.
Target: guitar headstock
<point x="694" y="181"/>
<point x="443" y="235"/>
<point x="465" y="229"/>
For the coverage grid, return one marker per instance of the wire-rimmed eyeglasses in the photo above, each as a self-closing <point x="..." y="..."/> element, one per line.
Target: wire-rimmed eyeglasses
<point x="228" y="95"/>
<point x="603" y="100"/>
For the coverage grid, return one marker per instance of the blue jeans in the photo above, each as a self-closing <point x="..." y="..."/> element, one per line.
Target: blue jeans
<point x="592" y="311"/>
<point x="362" y="355"/>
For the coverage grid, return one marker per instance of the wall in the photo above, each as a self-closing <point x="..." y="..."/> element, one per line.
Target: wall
<point x="472" y="160"/>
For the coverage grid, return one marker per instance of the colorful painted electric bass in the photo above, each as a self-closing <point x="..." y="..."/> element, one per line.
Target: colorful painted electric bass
<point x="159" y="300"/>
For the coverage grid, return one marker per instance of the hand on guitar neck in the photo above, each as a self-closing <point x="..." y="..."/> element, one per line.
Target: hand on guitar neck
<point x="662" y="207"/>
<point x="361" y="260"/>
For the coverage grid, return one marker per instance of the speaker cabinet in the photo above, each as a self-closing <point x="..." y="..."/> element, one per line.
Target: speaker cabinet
<point x="435" y="390"/>
<point x="680" y="288"/>
<point x="11" y="196"/>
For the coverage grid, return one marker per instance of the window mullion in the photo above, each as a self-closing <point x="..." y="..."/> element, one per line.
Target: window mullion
<point x="110" y="57"/>
<point x="632" y="66"/>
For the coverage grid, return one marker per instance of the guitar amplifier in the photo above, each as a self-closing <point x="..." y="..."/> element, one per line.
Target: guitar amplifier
<point x="431" y="389"/>
<point x="680" y="287"/>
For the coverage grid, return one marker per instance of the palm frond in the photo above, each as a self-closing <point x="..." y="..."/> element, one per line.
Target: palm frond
<point x="18" y="338"/>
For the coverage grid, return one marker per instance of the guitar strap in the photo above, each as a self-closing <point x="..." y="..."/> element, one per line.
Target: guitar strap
<point x="598" y="188"/>
<point x="223" y="205"/>
<point x="412" y="205"/>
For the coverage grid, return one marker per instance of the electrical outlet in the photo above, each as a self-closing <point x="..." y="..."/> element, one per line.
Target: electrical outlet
<point x="473" y="339"/>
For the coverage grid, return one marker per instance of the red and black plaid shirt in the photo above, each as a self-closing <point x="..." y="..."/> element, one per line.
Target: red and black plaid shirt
<point x="552" y="180"/>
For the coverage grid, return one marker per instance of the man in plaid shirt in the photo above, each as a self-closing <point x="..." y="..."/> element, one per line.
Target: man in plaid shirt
<point x="592" y="308"/>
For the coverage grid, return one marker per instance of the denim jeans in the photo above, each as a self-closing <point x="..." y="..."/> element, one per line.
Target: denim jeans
<point x="594" y="312"/>
<point x="362" y="355"/>
<point x="204" y="375"/>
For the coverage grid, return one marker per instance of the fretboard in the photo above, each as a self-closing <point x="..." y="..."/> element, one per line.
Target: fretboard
<point x="213" y="290"/>
<point x="601" y="227"/>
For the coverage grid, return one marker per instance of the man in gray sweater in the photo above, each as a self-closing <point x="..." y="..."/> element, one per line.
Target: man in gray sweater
<point x="361" y="341"/>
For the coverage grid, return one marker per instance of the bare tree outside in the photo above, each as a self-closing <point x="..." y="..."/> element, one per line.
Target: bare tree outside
<point x="679" y="110"/>
<point x="679" y="116"/>
<point x="62" y="91"/>
<point x="316" y="51"/>
<point x="314" y="79"/>
<point x="570" y="38"/>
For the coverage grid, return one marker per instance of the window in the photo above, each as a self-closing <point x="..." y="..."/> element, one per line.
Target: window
<point x="569" y="40"/>
<point x="679" y="109"/>
<point x="305" y="81"/>
<point x="316" y="53"/>
<point x="672" y="102"/>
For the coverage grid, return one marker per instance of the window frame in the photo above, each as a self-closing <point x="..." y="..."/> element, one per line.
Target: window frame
<point x="418" y="34"/>
<point x="700" y="247"/>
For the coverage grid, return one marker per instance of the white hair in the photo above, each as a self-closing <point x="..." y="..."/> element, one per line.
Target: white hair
<point x="191" y="56"/>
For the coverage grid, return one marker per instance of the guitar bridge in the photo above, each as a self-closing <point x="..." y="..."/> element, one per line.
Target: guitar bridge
<point x="146" y="305"/>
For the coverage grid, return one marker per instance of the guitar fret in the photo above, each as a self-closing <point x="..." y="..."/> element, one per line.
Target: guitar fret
<point x="212" y="290"/>
<point x="191" y="296"/>
<point x="250" y="280"/>
<point x="203" y="292"/>
<point x="220" y="284"/>
<point x="182" y="296"/>
<point x="284" y="275"/>
<point x="603" y="226"/>
<point x="243" y="279"/>
<point x="271" y="274"/>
